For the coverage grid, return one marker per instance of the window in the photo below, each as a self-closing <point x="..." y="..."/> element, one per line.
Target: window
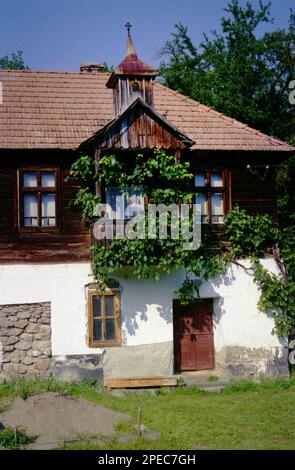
<point x="124" y="205"/>
<point x="38" y="194"/>
<point x="210" y="196"/>
<point x="104" y="311"/>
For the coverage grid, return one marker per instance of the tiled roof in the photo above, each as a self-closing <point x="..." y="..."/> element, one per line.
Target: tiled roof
<point x="62" y="109"/>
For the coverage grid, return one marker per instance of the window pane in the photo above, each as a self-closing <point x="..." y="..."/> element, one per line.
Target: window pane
<point x="48" y="179"/>
<point x="126" y="204"/>
<point x="96" y="306"/>
<point x="217" y="208"/>
<point x="30" y="210"/>
<point x="30" y="179"/>
<point x="97" y="330"/>
<point x="201" y="202"/>
<point x="109" y="305"/>
<point x="133" y="203"/>
<point x="110" y="330"/>
<point x="216" y="180"/>
<point x="200" y="180"/>
<point x="115" y="199"/>
<point x="48" y="209"/>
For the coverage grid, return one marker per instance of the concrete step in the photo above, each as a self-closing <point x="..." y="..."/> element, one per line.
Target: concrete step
<point x="201" y="381"/>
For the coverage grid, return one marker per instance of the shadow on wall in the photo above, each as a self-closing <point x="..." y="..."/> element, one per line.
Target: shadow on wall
<point x="142" y="300"/>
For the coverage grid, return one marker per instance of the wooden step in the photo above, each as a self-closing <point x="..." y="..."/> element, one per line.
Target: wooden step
<point x="142" y="382"/>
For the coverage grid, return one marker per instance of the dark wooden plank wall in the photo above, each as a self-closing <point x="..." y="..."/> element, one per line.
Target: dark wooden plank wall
<point x="124" y="91"/>
<point x="245" y="189"/>
<point x="69" y="243"/>
<point x="142" y="133"/>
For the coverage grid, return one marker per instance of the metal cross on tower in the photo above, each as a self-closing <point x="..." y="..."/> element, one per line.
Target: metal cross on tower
<point x="128" y="26"/>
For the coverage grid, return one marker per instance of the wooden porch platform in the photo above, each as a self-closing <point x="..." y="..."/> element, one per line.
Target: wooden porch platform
<point x="142" y="382"/>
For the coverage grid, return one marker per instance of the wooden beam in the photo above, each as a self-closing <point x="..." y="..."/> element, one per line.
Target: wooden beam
<point x="97" y="184"/>
<point x="142" y="382"/>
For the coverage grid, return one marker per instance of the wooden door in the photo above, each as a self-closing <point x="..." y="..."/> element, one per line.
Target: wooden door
<point x="193" y="335"/>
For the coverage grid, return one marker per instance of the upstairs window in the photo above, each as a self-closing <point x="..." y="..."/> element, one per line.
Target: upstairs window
<point x="104" y="318"/>
<point x="38" y="198"/>
<point x="124" y="205"/>
<point x="210" y="193"/>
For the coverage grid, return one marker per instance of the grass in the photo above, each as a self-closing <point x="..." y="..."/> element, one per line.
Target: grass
<point x="212" y="378"/>
<point x="245" y="415"/>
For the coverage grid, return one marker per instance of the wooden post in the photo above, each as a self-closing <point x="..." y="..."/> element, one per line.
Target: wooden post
<point x="139" y="421"/>
<point x="177" y="156"/>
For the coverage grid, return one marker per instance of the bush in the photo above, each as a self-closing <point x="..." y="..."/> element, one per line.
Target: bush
<point x="15" y="439"/>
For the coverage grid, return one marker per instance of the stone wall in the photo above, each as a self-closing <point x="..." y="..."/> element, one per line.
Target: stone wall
<point x="25" y="334"/>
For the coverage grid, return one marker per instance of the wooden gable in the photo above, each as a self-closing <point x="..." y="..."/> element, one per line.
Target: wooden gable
<point x="139" y="127"/>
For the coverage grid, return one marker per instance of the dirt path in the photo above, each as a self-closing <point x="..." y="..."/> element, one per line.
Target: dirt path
<point x="55" y="418"/>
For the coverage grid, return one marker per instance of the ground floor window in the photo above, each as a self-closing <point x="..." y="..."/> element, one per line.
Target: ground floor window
<point x="104" y="318"/>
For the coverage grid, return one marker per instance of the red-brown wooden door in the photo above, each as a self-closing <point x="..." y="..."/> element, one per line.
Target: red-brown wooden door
<point x="193" y="335"/>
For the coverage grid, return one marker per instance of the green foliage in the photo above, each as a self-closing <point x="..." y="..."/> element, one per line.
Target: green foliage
<point x="212" y="378"/>
<point x="107" y="67"/>
<point x="14" y="62"/>
<point x="15" y="439"/>
<point x="82" y="173"/>
<point x="187" y="292"/>
<point x="161" y="180"/>
<point x="238" y="72"/>
<point x="158" y="176"/>
<point x="203" y="266"/>
<point x="242" y="385"/>
<point x="246" y="75"/>
<point x="250" y="235"/>
<point x="277" y="297"/>
<point x="278" y="291"/>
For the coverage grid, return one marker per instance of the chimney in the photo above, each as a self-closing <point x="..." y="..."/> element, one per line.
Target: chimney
<point x="91" y="67"/>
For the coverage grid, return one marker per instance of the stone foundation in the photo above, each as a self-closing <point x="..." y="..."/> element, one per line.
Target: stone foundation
<point x="237" y="361"/>
<point x="25" y="335"/>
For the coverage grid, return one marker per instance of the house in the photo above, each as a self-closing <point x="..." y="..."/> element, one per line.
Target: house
<point x="52" y="320"/>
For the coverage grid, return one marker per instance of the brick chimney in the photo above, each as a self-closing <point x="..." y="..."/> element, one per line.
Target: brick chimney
<point x="91" y="67"/>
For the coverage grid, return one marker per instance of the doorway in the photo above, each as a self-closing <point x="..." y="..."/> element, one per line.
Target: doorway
<point x="193" y="335"/>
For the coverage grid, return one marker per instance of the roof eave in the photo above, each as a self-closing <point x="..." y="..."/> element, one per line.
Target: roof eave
<point x="179" y="134"/>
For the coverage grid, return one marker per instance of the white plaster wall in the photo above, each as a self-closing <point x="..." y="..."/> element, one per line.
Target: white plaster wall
<point x="60" y="284"/>
<point x="237" y="321"/>
<point x="146" y="305"/>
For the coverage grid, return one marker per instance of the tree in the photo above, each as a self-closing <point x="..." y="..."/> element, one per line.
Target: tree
<point x="14" y="62"/>
<point x="238" y="72"/>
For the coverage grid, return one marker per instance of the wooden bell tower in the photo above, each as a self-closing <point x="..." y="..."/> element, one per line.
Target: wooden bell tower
<point x="131" y="78"/>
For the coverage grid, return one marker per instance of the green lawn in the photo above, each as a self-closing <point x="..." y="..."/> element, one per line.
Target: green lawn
<point x="243" y="416"/>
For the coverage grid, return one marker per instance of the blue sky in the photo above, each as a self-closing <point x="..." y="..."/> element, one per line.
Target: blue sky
<point x="61" y="34"/>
